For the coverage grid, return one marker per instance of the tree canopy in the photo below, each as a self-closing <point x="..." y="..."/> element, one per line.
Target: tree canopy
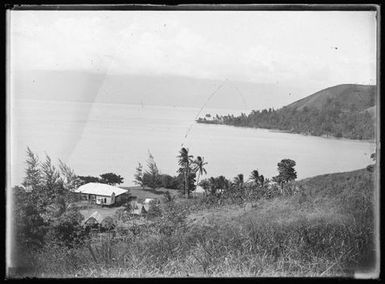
<point x="331" y="120"/>
<point x="111" y="178"/>
<point x="286" y="171"/>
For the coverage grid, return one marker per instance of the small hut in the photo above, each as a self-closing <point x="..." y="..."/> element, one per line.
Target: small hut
<point x="94" y="219"/>
<point x="198" y="192"/>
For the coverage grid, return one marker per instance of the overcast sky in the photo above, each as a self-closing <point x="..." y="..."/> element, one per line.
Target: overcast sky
<point x="320" y="48"/>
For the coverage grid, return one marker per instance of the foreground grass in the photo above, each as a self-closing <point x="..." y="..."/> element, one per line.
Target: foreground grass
<point x="326" y="229"/>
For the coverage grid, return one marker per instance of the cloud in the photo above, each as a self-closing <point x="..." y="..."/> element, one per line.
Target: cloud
<point x="263" y="47"/>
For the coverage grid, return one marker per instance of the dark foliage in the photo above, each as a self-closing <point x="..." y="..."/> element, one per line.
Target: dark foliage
<point x="111" y="178"/>
<point x="88" y="179"/>
<point x="171" y="182"/>
<point x="286" y="172"/>
<point x="42" y="217"/>
<point x="66" y="230"/>
<point x="332" y="120"/>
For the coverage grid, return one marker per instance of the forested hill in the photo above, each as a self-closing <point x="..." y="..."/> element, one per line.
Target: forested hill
<point x="341" y="111"/>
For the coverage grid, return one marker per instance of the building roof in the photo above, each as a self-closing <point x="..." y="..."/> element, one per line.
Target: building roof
<point x="100" y="189"/>
<point x="97" y="216"/>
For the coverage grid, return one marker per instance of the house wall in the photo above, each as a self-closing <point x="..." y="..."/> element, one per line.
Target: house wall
<point x="113" y="198"/>
<point x="103" y="200"/>
<point x="99" y="199"/>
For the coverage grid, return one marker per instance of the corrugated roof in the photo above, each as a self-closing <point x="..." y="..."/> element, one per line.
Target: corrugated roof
<point x="97" y="216"/>
<point x="100" y="189"/>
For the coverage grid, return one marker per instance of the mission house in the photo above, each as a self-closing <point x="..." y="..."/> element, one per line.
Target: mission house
<point x="101" y="194"/>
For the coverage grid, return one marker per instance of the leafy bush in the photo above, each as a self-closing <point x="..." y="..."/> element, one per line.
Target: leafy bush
<point x="67" y="230"/>
<point x="107" y="224"/>
<point x="154" y="210"/>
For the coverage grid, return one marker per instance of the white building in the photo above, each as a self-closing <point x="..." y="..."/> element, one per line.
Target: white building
<point x="100" y="193"/>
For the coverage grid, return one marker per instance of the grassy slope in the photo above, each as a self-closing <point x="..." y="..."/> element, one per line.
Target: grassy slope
<point x="326" y="203"/>
<point x="360" y="95"/>
<point x="325" y="230"/>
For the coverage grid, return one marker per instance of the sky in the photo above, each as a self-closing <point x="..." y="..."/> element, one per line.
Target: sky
<point x="314" y="49"/>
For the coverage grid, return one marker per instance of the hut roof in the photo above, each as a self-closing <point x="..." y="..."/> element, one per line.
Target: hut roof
<point x="100" y="189"/>
<point x="97" y="216"/>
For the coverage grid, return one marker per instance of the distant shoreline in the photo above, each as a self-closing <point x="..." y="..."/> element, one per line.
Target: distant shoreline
<point x="291" y="132"/>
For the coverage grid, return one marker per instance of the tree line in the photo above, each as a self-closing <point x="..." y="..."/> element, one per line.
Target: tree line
<point x="218" y="186"/>
<point x="191" y="170"/>
<point x="188" y="173"/>
<point x="331" y="120"/>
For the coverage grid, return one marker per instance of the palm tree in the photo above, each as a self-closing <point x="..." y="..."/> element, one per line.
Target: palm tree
<point x="254" y="176"/>
<point x="238" y="180"/>
<point x="261" y="180"/>
<point x="223" y="183"/>
<point x="213" y="185"/>
<point x="185" y="161"/>
<point x="199" y="167"/>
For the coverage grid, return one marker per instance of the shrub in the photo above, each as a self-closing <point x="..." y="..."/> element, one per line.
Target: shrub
<point x="107" y="224"/>
<point x="67" y="230"/>
<point x="168" y="197"/>
<point x="154" y="210"/>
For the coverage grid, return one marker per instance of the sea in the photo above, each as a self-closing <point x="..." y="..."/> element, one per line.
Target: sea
<point x="96" y="138"/>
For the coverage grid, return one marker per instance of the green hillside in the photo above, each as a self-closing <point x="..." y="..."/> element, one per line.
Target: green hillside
<point x="340" y="111"/>
<point x="348" y="96"/>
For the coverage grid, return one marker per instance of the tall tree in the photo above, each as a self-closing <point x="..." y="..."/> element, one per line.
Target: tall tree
<point x="255" y="176"/>
<point x="261" y="180"/>
<point x="69" y="179"/>
<point x="151" y="176"/>
<point x="29" y="226"/>
<point x="33" y="174"/>
<point x="199" y="167"/>
<point x="42" y="180"/>
<point x="239" y="180"/>
<point x="51" y="178"/>
<point x="286" y="172"/>
<point x="138" y="177"/>
<point x="223" y="183"/>
<point x="213" y="185"/>
<point x="185" y="161"/>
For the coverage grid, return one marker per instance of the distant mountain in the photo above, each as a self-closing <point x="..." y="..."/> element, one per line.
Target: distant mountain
<point x="349" y="96"/>
<point x="163" y="90"/>
<point x="342" y="111"/>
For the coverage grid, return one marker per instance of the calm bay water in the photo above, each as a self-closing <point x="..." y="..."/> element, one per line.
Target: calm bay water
<point x="95" y="138"/>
